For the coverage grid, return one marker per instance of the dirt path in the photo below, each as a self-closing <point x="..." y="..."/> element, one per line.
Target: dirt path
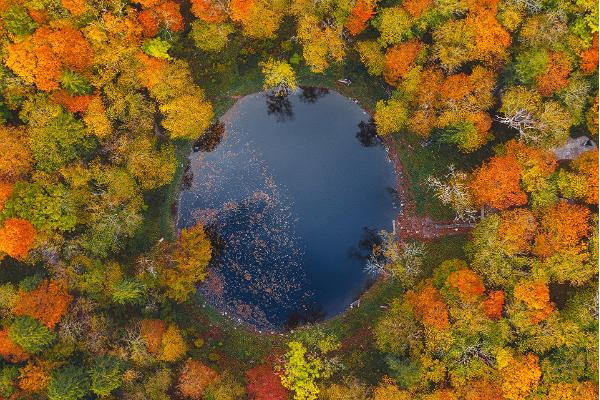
<point x="408" y="224"/>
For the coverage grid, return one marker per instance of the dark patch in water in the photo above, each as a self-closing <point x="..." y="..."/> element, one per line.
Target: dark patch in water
<point x="367" y="134"/>
<point x="211" y="138"/>
<point x="279" y="106"/>
<point x="312" y="94"/>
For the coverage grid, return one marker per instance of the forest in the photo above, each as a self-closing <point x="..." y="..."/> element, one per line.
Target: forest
<point x="102" y="101"/>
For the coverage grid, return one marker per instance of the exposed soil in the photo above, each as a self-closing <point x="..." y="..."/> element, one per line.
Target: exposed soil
<point x="409" y="225"/>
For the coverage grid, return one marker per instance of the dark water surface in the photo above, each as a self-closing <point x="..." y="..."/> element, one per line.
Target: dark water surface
<point x="295" y="199"/>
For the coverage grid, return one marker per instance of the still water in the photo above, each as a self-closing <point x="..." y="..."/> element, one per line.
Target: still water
<point x="294" y="195"/>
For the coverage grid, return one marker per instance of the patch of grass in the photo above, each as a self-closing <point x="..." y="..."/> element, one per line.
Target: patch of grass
<point x="159" y="219"/>
<point x="420" y="162"/>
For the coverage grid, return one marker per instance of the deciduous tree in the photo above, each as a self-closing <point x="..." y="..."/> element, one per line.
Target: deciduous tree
<point x="195" y="378"/>
<point x="47" y="303"/>
<point x="497" y="183"/>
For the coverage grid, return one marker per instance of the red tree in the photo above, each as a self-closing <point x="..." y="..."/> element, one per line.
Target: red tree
<point x="264" y="384"/>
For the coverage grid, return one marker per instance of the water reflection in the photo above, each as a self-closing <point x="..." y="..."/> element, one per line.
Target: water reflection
<point x="364" y="248"/>
<point x="367" y="134"/>
<point x="310" y="95"/>
<point x="306" y="314"/>
<point x="279" y="106"/>
<point x="211" y="138"/>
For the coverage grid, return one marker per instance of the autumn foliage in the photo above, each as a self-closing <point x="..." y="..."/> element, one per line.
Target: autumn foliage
<point x="429" y="306"/>
<point x="497" y="183"/>
<point x="210" y="11"/>
<point x="34" y="376"/>
<point x="264" y="384"/>
<point x="48" y="303"/>
<point x="15" y="156"/>
<point x="536" y="297"/>
<point x="164" y="341"/>
<point x="587" y="165"/>
<point x="152" y="331"/>
<point x="520" y="376"/>
<point x="41" y="57"/>
<point x="469" y="284"/>
<point x="17" y="237"/>
<point x="10" y="351"/>
<point x="240" y="9"/>
<point x="6" y="190"/>
<point x="416" y="7"/>
<point x="589" y="57"/>
<point x="556" y="75"/>
<point x="517" y="228"/>
<point x="361" y="13"/>
<point x="399" y="59"/>
<point x="562" y="228"/>
<point x="492" y="306"/>
<point x="164" y="15"/>
<point x="194" y="378"/>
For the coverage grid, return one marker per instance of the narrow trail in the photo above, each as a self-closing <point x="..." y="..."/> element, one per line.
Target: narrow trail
<point x="408" y="224"/>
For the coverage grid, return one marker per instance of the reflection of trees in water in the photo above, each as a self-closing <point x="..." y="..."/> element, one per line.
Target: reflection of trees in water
<point x="312" y="94"/>
<point x="363" y="250"/>
<point x="279" y="106"/>
<point x="367" y="134"/>
<point x="396" y="198"/>
<point x="211" y="138"/>
<point x="306" y="314"/>
<point x="188" y="177"/>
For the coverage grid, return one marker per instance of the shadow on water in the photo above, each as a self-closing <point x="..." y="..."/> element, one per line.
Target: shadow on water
<point x="279" y="106"/>
<point x="367" y="134"/>
<point x="310" y="95"/>
<point x="211" y="138"/>
<point x="306" y="314"/>
<point x="395" y="196"/>
<point x="188" y="178"/>
<point x="364" y="248"/>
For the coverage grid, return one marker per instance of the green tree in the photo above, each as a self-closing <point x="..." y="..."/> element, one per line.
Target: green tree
<point x="106" y="375"/>
<point x="17" y="21"/>
<point x="30" y="334"/>
<point x="58" y="140"/>
<point x="371" y="56"/>
<point x="75" y="83"/>
<point x="68" y="383"/>
<point x="211" y="37"/>
<point x="530" y="64"/>
<point x="127" y="291"/>
<point x="48" y="206"/>
<point x="8" y="378"/>
<point x="157" y="47"/>
<point x="394" y="25"/>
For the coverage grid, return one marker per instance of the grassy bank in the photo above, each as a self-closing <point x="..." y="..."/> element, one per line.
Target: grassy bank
<point x="221" y="341"/>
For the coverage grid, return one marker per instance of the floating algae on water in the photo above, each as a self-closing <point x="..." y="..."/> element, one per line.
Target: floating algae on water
<point x="288" y="201"/>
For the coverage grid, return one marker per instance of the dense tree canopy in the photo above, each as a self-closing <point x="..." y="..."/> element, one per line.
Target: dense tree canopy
<point x="100" y="102"/>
